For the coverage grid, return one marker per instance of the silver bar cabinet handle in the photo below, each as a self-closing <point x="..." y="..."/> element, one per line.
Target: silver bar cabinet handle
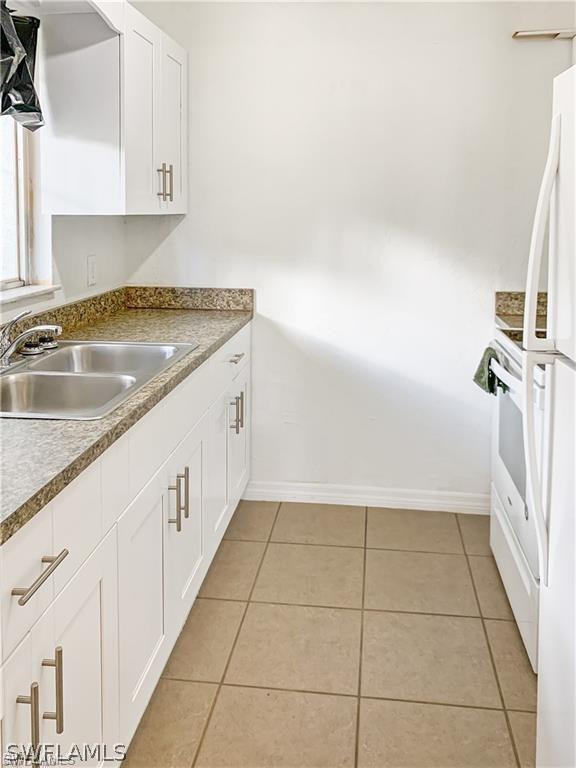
<point x="242" y="409"/>
<point x="236" y="424"/>
<point x="186" y="477"/>
<point x="178" y="519"/>
<point x="162" y="192"/>
<point x="27" y="592"/>
<point x="34" y="701"/>
<point x="171" y="187"/>
<point x="58" y="663"/>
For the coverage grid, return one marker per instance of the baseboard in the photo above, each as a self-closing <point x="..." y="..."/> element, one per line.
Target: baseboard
<point x="369" y="496"/>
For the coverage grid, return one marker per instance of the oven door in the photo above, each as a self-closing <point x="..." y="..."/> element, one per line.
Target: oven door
<point x="508" y="464"/>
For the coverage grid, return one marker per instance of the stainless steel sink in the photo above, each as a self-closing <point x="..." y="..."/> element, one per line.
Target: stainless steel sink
<point x="61" y="395"/>
<point x="106" y="357"/>
<point x="82" y="379"/>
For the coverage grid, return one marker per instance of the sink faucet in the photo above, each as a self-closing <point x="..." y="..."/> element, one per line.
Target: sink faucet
<point x="9" y="347"/>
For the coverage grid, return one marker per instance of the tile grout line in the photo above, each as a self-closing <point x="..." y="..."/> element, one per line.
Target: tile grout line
<point x="487" y="639"/>
<point x="357" y="741"/>
<point x="461" y="553"/>
<point x="237" y="635"/>
<point x="340" y="694"/>
<point x="365" y="609"/>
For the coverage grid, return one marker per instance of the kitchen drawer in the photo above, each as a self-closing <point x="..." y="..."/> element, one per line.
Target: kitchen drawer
<point x="517" y="513"/>
<point x="20" y="565"/>
<point x="77" y="520"/>
<point x="230" y="359"/>
<point x="520" y="585"/>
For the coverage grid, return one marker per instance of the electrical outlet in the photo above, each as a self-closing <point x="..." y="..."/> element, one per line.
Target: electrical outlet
<point x="91" y="270"/>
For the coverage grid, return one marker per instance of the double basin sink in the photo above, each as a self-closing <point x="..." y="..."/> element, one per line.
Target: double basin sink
<point x="81" y="379"/>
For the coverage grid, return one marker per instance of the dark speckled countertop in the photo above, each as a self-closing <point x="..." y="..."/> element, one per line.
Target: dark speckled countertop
<point x="509" y="309"/>
<point x="509" y="314"/>
<point x="32" y="471"/>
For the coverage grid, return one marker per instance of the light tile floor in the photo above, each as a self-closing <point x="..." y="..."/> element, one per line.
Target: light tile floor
<point x="328" y="636"/>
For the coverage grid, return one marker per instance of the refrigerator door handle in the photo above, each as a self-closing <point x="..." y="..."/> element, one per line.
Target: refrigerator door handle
<point x="531" y="341"/>
<point x="533" y="478"/>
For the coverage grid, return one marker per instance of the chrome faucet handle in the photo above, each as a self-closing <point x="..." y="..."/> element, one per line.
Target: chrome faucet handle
<point x="7" y="327"/>
<point x="8" y="348"/>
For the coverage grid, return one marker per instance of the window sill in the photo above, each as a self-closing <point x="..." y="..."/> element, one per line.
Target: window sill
<point x="12" y="295"/>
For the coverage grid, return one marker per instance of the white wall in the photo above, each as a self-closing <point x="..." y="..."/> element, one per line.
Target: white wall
<point x="74" y="238"/>
<point x="371" y="169"/>
<point x="62" y="246"/>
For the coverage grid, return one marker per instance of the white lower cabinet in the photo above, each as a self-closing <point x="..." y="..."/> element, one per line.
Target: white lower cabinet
<point x="184" y="557"/>
<point x="82" y="657"/>
<point x="142" y="632"/>
<point x="229" y="457"/>
<point x="61" y="684"/>
<point x="216" y="503"/>
<point x="238" y="434"/>
<point x="17" y="718"/>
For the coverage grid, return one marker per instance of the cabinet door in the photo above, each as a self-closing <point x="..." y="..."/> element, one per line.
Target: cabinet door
<point x="173" y="122"/>
<point x="142" y="640"/>
<point x="16" y="677"/>
<point x="183" y="546"/>
<point x="81" y="102"/>
<point x="238" y="435"/>
<point x="142" y="60"/>
<point x="75" y="659"/>
<point x="216" y="506"/>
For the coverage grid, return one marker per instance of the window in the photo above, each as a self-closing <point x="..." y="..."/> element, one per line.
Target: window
<point x="14" y="197"/>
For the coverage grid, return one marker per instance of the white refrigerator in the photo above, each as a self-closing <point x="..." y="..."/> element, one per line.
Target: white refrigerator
<point x="551" y="486"/>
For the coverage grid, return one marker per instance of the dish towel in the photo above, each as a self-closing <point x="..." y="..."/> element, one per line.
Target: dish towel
<point x="485" y="376"/>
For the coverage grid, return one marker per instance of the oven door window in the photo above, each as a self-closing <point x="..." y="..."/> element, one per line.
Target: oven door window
<point x="510" y="476"/>
<point x="511" y="442"/>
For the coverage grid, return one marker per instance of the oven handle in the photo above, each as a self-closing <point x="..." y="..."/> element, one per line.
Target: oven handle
<point x="512" y="382"/>
<point x="533" y="479"/>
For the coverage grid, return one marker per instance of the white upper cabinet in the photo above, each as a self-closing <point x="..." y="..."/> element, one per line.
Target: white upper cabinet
<point x="142" y="109"/>
<point x="173" y="132"/>
<point x="115" y="106"/>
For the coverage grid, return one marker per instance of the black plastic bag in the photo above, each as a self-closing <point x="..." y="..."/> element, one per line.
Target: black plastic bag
<point x="19" y="35"/>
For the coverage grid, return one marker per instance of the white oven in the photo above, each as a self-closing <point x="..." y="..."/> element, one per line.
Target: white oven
<point x="512" y="529"/>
